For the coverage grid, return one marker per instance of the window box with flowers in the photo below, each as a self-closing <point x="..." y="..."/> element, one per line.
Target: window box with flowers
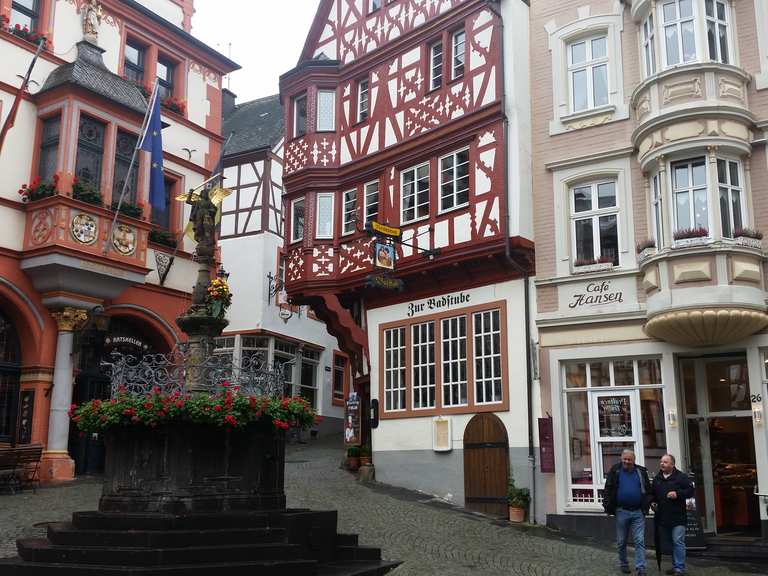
<point x="38" y="190"/>
<point x="748" y="237"/>
<point x="163" y="237"/>
<point x="585" y="266"/>
<point x="128" y="209"/>
<point x="646" y="249"/>
<point x="174" y="104"/>
<point x="85" y="193"/>
<point x="686" y="237"/>
<point x="22" y="32"/>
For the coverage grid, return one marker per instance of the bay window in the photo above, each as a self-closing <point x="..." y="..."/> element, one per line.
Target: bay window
<point x="594" y="223"/>
<point x="326" y="110"/>
<point x="297" y="220"/>
<point x="454" y="180"/>
<point x="299" y="115"/>
<point x="731" y="197"/>
<point x="611" y="405"/>
<point x="656" y="213"/>
<point x="717" y="30"/>
<point x="679" y="31"/>
<point x="350" y="212"/>
<point x="414" y="193"/>
<point x="25" y="14"/>
<point x="588" y="73"/>
<point x="49" y="149"/>
<point x="90" y="152"/>
<point x="649" y="46"/>
<point x="324" y="216"/>
<point x="371" y="190"/>
<point x="689" y="192"/>
<point x="124" y="147"/>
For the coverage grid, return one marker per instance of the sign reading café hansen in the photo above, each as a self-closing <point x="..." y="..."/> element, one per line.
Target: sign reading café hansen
<point x="612" y="295"/>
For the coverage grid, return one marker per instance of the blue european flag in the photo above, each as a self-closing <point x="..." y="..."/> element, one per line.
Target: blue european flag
<point x="152" y="142"/>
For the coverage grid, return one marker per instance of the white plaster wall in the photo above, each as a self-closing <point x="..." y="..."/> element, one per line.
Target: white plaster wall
<point x="110" y="40"/>
<point x="198" y="105"/>
<point x="68" y="30"/>
<point x="416" y="433"/>
<point x="181" y="276"/>
<point x="16" y="155"/>
<point x="12" y="223"/>
<point x="177" y="136"/>
<point x="518" y="111"/>
<point x="165" y="9"/>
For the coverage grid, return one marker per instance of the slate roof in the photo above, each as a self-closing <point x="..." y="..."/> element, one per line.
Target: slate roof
<point x="255" y="124"/>
<point x="89" y="72"/>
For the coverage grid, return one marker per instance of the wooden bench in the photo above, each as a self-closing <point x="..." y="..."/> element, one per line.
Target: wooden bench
<point x="20" y="466"/>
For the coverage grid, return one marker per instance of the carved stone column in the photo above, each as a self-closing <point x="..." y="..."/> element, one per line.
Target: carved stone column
<point x="57" y="463"/>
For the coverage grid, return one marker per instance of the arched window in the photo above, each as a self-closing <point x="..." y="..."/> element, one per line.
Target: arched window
<point x="10" y="368"/>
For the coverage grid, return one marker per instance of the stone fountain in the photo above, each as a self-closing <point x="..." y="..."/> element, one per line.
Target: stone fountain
<point x="187" y="498"/>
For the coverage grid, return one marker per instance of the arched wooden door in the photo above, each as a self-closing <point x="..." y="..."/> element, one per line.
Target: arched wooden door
<point x="486" y="465"/>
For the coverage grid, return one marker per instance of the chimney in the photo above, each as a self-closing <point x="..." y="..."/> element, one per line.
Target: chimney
<point x="227" y="102"/>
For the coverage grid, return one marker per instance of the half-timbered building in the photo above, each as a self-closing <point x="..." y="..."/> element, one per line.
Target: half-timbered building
<point x="261" y="321"/>
<point x="406" y="166"/>
<point x="72" y="286"/>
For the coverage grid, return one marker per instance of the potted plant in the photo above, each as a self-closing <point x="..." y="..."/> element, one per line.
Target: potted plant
<point x="38" y="190"/>
<point x="748" y="237"/>
<point x="365" y="455"/>
<point x="353" y="458"/>
<point x="85" y="193"/>
<point x="690" y="236"/>
<point x="646" y="247"/>
<point x="518" y="500"/>
<point x="163" y="237"/>
<point x="132" y="210"/>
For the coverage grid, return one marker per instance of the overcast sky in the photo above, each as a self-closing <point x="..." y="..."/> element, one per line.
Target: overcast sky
<point x="266" y="38"/>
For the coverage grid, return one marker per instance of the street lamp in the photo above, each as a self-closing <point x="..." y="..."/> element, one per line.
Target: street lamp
<point x="223" y="274"/>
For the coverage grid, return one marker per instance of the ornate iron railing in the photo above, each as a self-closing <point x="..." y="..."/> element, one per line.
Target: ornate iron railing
<point x="171" y="372"/>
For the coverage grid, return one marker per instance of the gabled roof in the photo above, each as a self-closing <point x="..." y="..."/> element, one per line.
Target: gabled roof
<point x="89" y="72"/>
<point x="254" y="125"/>
<point x="323" y="10"/>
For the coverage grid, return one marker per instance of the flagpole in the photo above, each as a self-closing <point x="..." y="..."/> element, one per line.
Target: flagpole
<point x="11" y="119"/>
<point x="139" y="142"/>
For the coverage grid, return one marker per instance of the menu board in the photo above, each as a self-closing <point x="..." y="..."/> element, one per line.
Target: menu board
<point x="546" y="446"/>
<point x="352" y="421"/>
<point x="614" y="414"/>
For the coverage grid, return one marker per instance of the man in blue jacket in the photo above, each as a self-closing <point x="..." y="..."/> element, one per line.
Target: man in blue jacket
<point x="627" y="495"/>
<point x="670" y="490"/>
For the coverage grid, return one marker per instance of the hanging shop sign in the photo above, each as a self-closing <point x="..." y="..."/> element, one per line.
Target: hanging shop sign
<point x="374" y="227"/>
<point x="352" y="420"/>
<point x="384" y="281"/>
<point x="384" y="256"/>
<point x="546" y="446"/>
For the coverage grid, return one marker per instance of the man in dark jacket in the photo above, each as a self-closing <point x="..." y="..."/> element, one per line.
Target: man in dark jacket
<point x="670" y="490"/>
<point x="627" y="496"/>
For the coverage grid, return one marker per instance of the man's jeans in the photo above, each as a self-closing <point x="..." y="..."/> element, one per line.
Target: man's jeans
<point x="630" y="521"/>
<point x="677" y="535"/>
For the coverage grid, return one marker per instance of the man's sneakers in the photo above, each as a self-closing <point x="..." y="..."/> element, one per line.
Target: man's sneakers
<point x="674" y="572"/>
<point x="626" y="570"/>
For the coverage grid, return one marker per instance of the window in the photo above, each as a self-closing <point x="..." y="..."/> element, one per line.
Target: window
<point x="124" y="147"/>
<point x="394" y="369"/>
<point x="49" y="149"/>
<point x="689" y="191"/>
<point x="588" y="73"/>
<point x="611" y="405"/>
<point x="371" y="201"/>
<point x="374" y="5"/>
<point x="25" y="13"/>
<point x="324" y="218"/>
<point x="423" y="365"/>
<point x="308" y="382"/>
<point x="162" y="218"/>
<point x="254" y="350"/>
<point x="326" y="110"/>
<point x="454" y="180"/>
<point x="649" y="47"/>
<point x="90" y="151"/>
<point x="457" y="65"/>
<point x="134" y="62"/>
<point x="10" y="371"/>
<point x="164" y="78"/>
<point x="350" y="212"/>
<point x="454" y="360"/>
<point x="435" y="65"/>
<point x="300" y="116"/>
<point x="679" y="33"/>
<point x="594" y="217"/>
<point x="656" y="211"/>
<point x="731" y="210"/>
<point x="487" y="334"/>
<point x="717" y="30"/>
<point x="224" y="346"/>
<point x="414" y="193"/>
<point x="339" y="378"/>
<point x="297" y="220"/>
<point x="362" y="100"/>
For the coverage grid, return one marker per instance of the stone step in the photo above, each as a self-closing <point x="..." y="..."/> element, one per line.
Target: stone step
<point x="357" y="553"/>
<point x="39" y="550"/>
<point x="65" y="534"/>
<point x="17" y="567"/>
<point x="94" y="520"/>
<point x="357" y="568"/>
<point x="346" y="539"/>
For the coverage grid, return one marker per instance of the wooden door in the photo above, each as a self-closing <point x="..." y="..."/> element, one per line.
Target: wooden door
<point x="486" y="465"/>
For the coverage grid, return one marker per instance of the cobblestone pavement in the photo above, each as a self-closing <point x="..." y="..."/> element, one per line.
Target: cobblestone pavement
<point x="430" y="537"/>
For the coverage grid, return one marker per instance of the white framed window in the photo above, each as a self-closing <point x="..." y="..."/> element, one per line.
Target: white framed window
<point x="649" y="46"/>
<point x="350" y="212"/>
<point x="588" y="73"/>
<point x="689" y="193"/>
<point x="324" y="216"/>
<point x="611" y="405"/>
<point x="300" y="115"/>
<point x="414" y="193"/>
<point x="594" y="223"/>
<point x="394" y="370"/>
<point x="679" y="31"/>
<point x="453" y="333"/>
<point x="454" y="180"/>
<point x="458" y="42"/>
<point x="731" y="197"/>
<point x="297" y="220"/>
<point x="423" y="365"/>
<point x="656" y="213"/>
<point x="435" y="65"/>
<point x="254" y="349"/>
<point x="224" y="346"/>
<point x="716" y="17"/>
<point x="362" y="100"/>
<point x="326" y="110"/>
<point x="487" y="353"/>
<point x="371" y="190"/>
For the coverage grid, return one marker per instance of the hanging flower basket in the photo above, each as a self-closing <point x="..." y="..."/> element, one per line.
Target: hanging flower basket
<point x="218" y="297"/>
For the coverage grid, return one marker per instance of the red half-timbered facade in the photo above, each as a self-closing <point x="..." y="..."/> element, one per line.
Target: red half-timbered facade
<point x="397" y="115"/>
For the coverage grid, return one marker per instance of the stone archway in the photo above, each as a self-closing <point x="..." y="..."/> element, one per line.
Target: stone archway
<point x="10" y="372"/>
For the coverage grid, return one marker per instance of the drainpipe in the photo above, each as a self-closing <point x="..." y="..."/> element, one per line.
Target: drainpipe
<point x="526" y="288"/>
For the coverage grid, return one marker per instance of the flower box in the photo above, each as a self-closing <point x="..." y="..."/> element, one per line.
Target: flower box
<point x="163" y="237"/>
<point x="755" y="243"/>
<point x="690" y="242"/>
<point x="597" y="267"/>
<point x="129" y="209"/>
<point x="646" y="253"/>
<point x="85" y="193"/>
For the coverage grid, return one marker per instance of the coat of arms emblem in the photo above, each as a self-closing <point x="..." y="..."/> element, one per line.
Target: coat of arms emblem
<point x="124" y="239"/>
<point x="84" y="229"/>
